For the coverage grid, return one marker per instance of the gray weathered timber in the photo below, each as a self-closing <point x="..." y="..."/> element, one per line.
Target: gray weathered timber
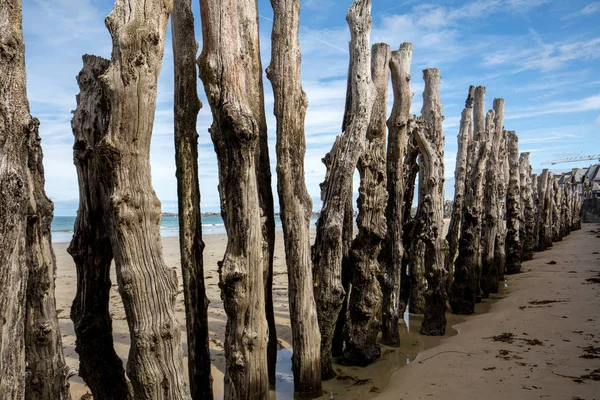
<point x="465" y="289"/>
<point x="32" y="364"/>
<point x="556" y="211"/>
<point x="363" y="318"/>
<point x="489" y="232"/>
<point x="228" y="64"/>
<point x="99" y="366"/>
<point x="191" y="247"/>
<point x="430" y="217"/>
<point x="465" y="135"/>
<point x="392" y="304"/>
<point x="148" y="287"/>
<point x="294" y="200"/>
<point x="543" y="209"/>
<point x="503" y="175"/>
<point x="327" y="250"/>
<point x="513" y="206"/>
<point x="527" y="208"/>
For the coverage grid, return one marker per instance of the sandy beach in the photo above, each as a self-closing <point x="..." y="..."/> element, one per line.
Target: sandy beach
<point x="549" y="314"/>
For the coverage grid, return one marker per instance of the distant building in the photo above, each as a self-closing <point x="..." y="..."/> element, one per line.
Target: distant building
<point x="591" y="181"/>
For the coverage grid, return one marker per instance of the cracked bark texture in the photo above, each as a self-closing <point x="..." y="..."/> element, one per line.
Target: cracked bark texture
<point x="465" y="289"/>
<point x="393" y="251"/>
<point x="543" y="211"/>
<point x="148" y="287"/>
<point x="295" y="202"/>
<point x="229" y="67"/>
<point x="527" y="208"/>
<point x="32" y="364"/>
<point x="513" y="207"/>
<point x="99" y="366"/>
<point x="465" y="135"/>
<point x="430" y="217"/>
<point x="490" y="277"/>
<point x="191" y="247"/>
<point x="363" y="318"/>
<point x="327" y="250"/>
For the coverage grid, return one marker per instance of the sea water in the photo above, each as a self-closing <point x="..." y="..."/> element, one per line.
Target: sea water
<point x="62" y="226"/>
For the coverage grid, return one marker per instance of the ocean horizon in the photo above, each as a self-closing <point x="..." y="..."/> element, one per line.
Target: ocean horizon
<point x="62" y="226"/>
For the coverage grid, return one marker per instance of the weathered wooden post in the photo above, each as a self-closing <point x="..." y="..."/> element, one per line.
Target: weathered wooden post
<point x="527" y="208"/>
<point x="490" y="276"/>
<point x="32" y="364"/>
<point x="327" y="250"/>
<point x="465" y="289"/>
<point x="392" y="276"/>
<point x="364" y="307"/>
<point x="513" y="207"/>
<point x="99" y="366"/>
<point x="186" y="108"/>
<point x="465" y="135"/>
<point x="230" y="68"/>
<point x="295" y="202"/>
<point x="430" y="140"/>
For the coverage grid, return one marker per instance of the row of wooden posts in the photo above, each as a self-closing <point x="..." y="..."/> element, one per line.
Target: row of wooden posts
<point x="344" y="291"/>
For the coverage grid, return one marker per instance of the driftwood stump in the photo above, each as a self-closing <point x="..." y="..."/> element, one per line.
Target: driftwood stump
<point x="527" y="208"/>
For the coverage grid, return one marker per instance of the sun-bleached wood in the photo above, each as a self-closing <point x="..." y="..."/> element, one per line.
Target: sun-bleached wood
<point x="229" y="65"/>
<point x="430" y="216"/>
<point x="327" y="250"/>
<point x="99" y="366"/>
<point x="191" y="247"/>
<point x="295" y="202"/>
<point x="397" y="125"/>
<point x="32" y="364"/>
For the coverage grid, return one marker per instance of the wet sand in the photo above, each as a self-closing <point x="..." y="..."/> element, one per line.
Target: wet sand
<point x="407" y="372"/>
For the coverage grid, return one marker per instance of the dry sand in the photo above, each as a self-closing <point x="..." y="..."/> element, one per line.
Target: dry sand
<point x="469" y="365"/>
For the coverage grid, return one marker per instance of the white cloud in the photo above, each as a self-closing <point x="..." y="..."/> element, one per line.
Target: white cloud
<point x="598" y="120"/>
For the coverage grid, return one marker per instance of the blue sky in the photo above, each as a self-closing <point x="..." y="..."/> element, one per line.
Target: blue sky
<point x="541" y="56"/>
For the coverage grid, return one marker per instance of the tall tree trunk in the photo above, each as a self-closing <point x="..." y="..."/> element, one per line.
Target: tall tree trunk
<point x="228" y="66"/>
<point x="465" y="135"/>
<point x="536" y="205"/>
<point x="527" y="208"/>
<point x="489" y="269"/>
<point x="294" y="200"/>
<point x="513" y="207"/>
<point x="465" y="289"/>
<point x="431" y="210"/>
<point x="364" y="306"/>
<point x="32" y="364"/>
<point x="99" y="366"/>
<point x="327" y="251"/>
<point x="392" y="276"/>
<point x="147" y="285"/>
<point x="186" y="108"/>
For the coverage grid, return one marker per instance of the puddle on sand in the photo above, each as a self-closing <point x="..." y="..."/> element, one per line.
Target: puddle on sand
<point x="373" y="378"/>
